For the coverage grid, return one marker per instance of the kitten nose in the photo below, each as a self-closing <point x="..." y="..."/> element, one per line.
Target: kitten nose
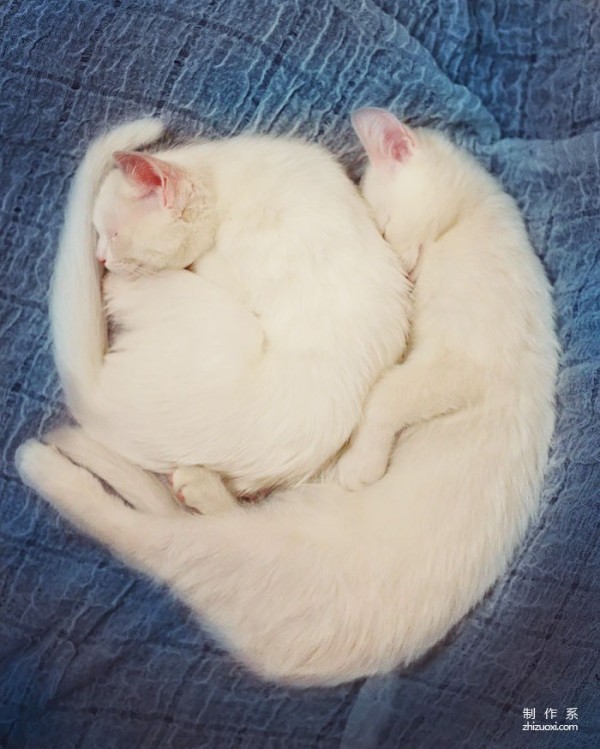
<point x="101" y="250"/>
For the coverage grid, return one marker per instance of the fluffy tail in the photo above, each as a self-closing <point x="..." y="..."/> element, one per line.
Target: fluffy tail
<point x="317" y="586"/>
<point x="76" y="310"/>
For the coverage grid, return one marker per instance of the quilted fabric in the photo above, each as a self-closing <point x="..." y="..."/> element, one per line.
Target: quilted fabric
<point x="93" y="655"/>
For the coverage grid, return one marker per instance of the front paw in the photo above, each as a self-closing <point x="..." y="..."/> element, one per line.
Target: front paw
<point x="363" y="463"/>
<point x="201" y="490"/>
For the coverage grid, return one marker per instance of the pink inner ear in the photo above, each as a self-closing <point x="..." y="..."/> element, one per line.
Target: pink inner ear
<point x="153" y="175"/>
<point x="387" y="141"/>
<point x="140" y="169"/>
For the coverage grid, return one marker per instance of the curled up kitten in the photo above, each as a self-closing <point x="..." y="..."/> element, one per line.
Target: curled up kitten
<point x="257" y="363"/>
<point x="321" y="584"/>
<point x="482" y="351"/>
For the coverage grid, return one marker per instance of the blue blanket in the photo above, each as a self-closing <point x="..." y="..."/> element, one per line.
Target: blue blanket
<point x="93" y="654"/>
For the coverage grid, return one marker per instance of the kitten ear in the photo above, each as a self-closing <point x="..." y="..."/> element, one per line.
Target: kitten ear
<point x="154" y="175"/>
<point x="387" y="141"/>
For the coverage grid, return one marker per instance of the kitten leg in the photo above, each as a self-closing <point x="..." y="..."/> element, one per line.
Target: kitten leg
<point x="136" y="537"/>
<point x="140" y="488"/>
<point x="416" y="391"/>
<point x="202" y="490"/>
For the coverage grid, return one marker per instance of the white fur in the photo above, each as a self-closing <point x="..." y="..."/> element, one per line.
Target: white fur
<point x="257" y="364"/>
<point x="320" y="585"/>
<point x="128" y="480"/>
<point x="482" y="350"/>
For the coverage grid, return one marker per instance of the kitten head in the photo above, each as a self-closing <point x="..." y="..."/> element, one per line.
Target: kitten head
<point x="151" y="215"/>
<point x="409" y="182"/>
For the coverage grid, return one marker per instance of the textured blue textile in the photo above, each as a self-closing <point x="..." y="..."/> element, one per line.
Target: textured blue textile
<point x="93" y="655"/>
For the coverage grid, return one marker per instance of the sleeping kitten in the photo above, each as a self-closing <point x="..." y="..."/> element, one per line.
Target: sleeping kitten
<point x="320" y="585"/>
<point x="476" y="346"/>
<point x="256" y="365"/>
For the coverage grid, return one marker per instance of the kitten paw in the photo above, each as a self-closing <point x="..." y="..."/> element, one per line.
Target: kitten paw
<point x="201" y="490"/>
<point x="363" y="463"/>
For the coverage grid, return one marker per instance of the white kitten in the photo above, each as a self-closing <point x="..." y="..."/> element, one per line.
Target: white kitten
<point x="482" y="350"/>
<point x="151" y="214"/>
<point x="321" y="585"/>
<point x="255" y="366"/>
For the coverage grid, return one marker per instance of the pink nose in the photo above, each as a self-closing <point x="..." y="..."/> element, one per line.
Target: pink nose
<point x="102" y="260"/>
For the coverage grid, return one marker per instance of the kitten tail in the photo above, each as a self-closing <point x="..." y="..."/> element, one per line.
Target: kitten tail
<point x="128" y="480"/>
<point x="76" y="311"/>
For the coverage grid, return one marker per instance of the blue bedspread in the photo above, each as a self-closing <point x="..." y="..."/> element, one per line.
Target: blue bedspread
<point x="94" y="655"/>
